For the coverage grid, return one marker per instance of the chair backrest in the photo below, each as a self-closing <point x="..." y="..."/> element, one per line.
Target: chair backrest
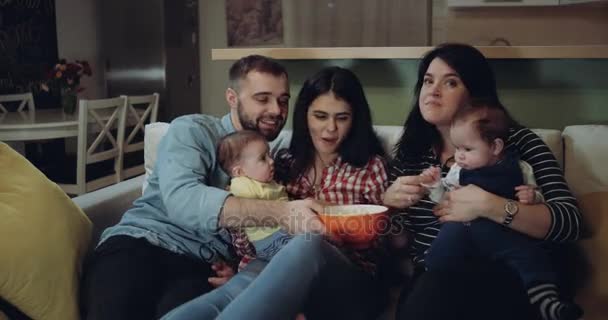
<point x="98" y="118"/>
<point x="144" y="110"/>
<point x="141" y="110"/>
<point x="24" y="99"/>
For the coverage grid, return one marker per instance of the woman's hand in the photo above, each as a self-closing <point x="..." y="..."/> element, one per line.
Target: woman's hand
<point x="466" y="204"/>
<point x="405" y="191"/>
<point x="223" y="273"/>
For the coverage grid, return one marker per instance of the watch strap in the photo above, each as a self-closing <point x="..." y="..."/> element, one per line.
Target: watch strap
<point x="510" y="212"/>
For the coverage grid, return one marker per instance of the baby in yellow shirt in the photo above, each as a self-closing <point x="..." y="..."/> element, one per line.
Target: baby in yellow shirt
<point x="245" y="156"/>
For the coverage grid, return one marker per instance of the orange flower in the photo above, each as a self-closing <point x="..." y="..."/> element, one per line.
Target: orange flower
<point x="58" y="74"/>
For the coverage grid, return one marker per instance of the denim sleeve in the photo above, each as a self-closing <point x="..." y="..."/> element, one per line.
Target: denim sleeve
<point x="185" y="167"/>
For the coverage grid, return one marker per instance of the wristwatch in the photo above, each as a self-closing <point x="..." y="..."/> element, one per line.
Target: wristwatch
<point x="511" y="209"/>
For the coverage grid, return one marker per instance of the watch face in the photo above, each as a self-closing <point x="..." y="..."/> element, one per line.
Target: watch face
<point x="511" y="207"/>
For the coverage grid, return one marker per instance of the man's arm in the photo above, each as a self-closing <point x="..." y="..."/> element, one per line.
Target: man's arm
<point x="184" y="168"/>
<point x="185" y="161"/>
<point x="295" y="217"/>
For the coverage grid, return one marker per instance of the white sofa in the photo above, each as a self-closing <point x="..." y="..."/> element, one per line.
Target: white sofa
<point x="582" y="151"/>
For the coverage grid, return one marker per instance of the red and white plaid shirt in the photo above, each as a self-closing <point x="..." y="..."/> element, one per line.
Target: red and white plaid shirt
<point x="341" y="183"/>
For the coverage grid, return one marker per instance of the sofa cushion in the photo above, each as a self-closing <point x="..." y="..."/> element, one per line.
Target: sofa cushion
<point x="593" y="297"/>
<point x="586" y="157"/>
<point x="43" y="238"/>
<point x="389" y="135"/>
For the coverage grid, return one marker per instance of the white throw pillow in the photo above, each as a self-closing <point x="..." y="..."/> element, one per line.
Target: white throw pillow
<point x="153" y="133"/>
<point x="389" y="136"/>
<point x="586" y="157"/>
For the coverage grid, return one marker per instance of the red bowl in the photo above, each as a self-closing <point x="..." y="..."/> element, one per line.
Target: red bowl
<point x="357" y="225"/>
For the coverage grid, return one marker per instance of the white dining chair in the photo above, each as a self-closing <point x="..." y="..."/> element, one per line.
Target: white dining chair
<point x="103" y="119"/>
<point x="144" y="110"/>
<point x="24" y="100"/>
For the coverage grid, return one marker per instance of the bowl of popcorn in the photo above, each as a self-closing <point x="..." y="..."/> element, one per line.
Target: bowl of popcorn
<point x="357" y="225"/>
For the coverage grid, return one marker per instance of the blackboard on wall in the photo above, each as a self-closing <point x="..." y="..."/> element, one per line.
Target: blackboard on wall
<point x="28" y="44"/>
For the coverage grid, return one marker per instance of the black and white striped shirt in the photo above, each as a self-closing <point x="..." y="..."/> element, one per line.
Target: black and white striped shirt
<point x="424" y="226"/>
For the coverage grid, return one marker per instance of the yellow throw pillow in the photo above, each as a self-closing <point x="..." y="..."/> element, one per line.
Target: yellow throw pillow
<point x="43" y="239"/>
<point x="594" y="296"/>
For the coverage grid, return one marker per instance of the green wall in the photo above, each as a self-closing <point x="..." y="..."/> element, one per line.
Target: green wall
<point x="539" y="93"/>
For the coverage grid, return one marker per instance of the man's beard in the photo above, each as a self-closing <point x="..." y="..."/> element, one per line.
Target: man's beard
<point x="251" y="124"/>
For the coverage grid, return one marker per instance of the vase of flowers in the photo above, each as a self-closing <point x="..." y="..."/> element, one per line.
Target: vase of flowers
<point x="64" y="79"/>
<point x="69" y="100"/>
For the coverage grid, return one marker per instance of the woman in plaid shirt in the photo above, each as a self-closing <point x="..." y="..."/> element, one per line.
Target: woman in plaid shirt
<point x="335" y="156"/>
<point x="327" y="158"/>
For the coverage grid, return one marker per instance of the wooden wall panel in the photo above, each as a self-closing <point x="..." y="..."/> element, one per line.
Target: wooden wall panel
<point x="581" y="24"/>
<point x="343" y="23"/>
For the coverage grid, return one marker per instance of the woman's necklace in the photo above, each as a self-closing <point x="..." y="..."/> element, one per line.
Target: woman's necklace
<point x="316" y="185"/>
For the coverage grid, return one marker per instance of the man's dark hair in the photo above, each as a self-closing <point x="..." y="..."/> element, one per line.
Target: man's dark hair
<point x="254" y="62"/>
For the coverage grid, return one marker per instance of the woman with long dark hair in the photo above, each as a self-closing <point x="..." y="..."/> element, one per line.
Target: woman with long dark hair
<point x="450" y="77"/>
<point x="331" y="121"/>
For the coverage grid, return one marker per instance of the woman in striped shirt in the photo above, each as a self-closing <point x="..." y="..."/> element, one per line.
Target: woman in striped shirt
<point x="448" y="78"/>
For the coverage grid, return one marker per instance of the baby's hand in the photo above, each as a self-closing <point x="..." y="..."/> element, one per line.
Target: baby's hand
<point x="432" y="172"/>
<point x="526" y="194"/>
<point x="223" y="273"/>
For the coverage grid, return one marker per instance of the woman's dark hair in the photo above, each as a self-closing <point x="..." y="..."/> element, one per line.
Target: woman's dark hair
<point x="361" y="143"/>
<point x="476" y="75"/>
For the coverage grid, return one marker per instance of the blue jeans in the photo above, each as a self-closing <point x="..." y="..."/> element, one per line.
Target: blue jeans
<point x="458" y="243"/>
<point x="268" y="247"/>
<point x="308" y="275"/>
<point x="211" y="304"/>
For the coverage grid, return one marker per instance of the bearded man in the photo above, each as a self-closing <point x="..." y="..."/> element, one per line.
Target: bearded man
<point x="169" y="245"/>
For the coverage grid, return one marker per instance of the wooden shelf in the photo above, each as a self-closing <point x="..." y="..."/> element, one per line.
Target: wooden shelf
<point x="495" y="52"/>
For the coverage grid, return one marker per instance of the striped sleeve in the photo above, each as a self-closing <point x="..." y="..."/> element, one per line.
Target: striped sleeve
<point x="565" y="215"/>
<point x="418" y="219"/>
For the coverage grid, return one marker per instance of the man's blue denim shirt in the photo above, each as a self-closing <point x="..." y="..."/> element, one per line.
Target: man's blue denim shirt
<point x="187" y="189"/>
